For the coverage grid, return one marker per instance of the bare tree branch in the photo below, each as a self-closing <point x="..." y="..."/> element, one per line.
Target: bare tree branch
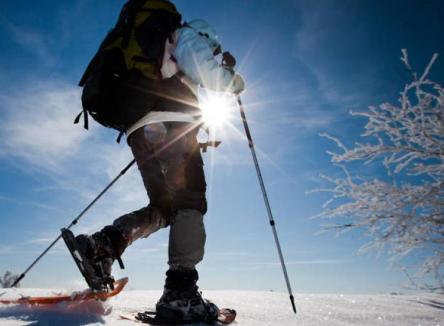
<point x="406" y="214"/>
<point x="7" y="280"/>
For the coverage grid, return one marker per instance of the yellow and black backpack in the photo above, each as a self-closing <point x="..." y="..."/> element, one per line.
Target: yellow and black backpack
<point x="130" y="57"/>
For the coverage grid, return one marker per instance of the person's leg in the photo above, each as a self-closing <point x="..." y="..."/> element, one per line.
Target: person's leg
<point x="185" y="182"/>
<point x="187" y="240"/>
<point x="145" y="143"/>
<point x="103" y="247"/>
<point x="186" y="185"/>
<point x="169" y="160"/>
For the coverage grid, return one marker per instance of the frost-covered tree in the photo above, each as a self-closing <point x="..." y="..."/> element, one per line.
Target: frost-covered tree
<point x="7" y="280"/>
<point x="404" y="211"/>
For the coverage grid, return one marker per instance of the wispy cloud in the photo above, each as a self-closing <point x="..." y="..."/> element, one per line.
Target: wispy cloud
<point x="40" y="240"/>
<point x="51" y="188"/>
<point x="308" y="262"/>
<point x="37" y="124"/>
<point x="277" y="265"/>
<point x="9" y="199"/>
<point x="322" y="44"/>
<point x="5" y="250"/>
<point x="29" y="203"/>
<point x="248" y="265"/>
<point x="32" y="41"/>
<point x="20" y="251"/>
<point x="38" y="133"/>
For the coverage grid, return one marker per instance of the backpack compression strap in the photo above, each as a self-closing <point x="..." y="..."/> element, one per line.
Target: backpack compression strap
<point x="85" y="124"/>
<point x="85" y="118"/>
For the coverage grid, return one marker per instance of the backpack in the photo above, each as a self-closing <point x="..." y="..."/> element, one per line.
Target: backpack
<point x="131" y="52"/>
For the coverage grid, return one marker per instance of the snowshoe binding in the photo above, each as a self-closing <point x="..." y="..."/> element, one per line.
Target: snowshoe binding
<point x="182" y="309"/>
<point x="181" y="303"/>
<point x="226" y="317"/>
<point x="94" y="257"/>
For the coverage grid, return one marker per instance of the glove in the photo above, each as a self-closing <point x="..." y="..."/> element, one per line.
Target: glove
<point x="237" y="84"/>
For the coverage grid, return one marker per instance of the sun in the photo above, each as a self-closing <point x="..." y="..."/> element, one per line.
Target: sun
<point x="216" y="108"/>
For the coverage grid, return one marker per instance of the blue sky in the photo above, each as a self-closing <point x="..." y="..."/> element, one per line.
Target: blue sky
<point x="306" y="65"/>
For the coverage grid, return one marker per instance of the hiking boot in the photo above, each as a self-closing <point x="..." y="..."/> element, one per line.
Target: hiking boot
<point x="181" y="301"/>
<point x="177" y="307"/>
<point x="100" y="250"/>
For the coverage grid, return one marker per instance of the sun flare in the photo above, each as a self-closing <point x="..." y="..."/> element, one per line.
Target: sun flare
<point x="216" y="109"/>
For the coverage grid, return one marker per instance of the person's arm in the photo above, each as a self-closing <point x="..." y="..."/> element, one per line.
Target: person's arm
<point x="195" y="58"/>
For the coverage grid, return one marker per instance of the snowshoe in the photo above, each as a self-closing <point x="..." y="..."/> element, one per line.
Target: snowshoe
<point x="226" y="316"/>
<point x="70" y="298"/>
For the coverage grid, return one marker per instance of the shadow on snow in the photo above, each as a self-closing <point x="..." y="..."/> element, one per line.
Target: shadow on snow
<point x="72" y="314"/>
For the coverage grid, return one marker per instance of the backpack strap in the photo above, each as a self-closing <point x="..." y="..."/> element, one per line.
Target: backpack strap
<point x="85" y="118"/>
<point x="85" y="125"/>
<point x="119" y="137"/>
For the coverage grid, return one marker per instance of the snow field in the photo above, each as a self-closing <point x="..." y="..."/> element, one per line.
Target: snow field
<point x="254" y="309"/>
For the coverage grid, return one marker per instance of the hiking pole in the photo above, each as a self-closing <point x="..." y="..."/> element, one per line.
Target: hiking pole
<point x="267" y="203"/>
<point x="74" y="222"/>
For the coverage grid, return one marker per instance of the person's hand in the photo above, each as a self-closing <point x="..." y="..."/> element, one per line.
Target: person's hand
<point x="237" y="84"/>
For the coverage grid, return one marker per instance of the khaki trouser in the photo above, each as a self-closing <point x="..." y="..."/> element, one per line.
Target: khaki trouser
<point x="171" y="166"/>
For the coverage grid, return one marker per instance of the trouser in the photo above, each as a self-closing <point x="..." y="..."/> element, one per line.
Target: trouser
<point x="171" y="166"/>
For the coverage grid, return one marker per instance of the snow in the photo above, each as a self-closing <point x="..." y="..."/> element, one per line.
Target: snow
<point x="254" y="308"/>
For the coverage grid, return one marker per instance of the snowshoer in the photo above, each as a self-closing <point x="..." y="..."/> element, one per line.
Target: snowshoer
<point x="143" y="82"/>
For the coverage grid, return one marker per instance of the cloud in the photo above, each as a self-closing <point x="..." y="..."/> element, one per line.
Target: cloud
<point x="316" y="262"/>
<point x="21" y="250"/>
<point x="6" y="250"/>
<point x="37" y="124"/>
<point x="318" y="20"/>
<point x="9" y="199"/>
<point x="126" y="195"/>
<point x="246" y="265"/>
<point x="331" y="44"/>
<point x="29" y="203"/>
<point x="98" y="16"/>
<point x="300" y="262"/>
<point x="38" y="135"/>
<point x="32" y="41"/>
<point x="42" y="240"/>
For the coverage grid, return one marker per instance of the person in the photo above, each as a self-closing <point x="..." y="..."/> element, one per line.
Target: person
<point x="164" y="144"/>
